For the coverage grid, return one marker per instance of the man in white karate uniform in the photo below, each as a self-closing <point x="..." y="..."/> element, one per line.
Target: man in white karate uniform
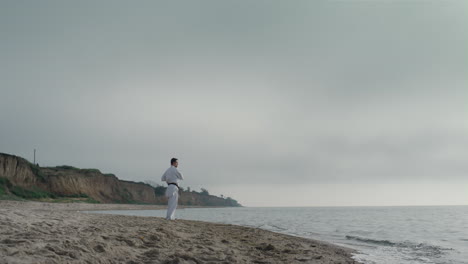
<point x="172" y="176"/>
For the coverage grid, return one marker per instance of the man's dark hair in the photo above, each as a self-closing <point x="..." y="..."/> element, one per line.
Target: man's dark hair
<point x="173" y="160"/>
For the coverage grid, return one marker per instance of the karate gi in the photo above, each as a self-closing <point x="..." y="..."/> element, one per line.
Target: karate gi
<point x="172" y="175"/>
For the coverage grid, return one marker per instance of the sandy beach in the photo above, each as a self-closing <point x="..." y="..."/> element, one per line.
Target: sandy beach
<point x="33" y="232"/>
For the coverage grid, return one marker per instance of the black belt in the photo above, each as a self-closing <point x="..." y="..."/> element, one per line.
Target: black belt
<point x="173" y="183"/>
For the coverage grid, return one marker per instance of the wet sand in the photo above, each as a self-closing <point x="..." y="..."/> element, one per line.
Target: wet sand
<point x="33" y="232"/>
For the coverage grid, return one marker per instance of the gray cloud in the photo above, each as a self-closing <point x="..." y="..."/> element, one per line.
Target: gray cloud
<point x="242" y="92"/>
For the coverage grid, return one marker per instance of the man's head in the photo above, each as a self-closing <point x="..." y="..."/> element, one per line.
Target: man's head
<point x="174" y="162"/>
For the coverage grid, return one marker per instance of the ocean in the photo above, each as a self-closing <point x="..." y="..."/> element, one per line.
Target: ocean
<point x="382" y="235"/>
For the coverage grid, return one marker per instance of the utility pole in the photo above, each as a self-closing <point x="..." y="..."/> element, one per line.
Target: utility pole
<point x="34" y="156"/>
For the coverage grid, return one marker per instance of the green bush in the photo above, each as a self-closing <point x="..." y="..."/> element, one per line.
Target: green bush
<point x="79" y="195"/>
<point x="66" y="167"/>
<point x="31" y="194"/>
<point x="5" y="182"/>
<point x="90" y="171"/>
<point x="91" y="200"/>
<point x="37" y="172"/>
<point x="231" y="202"/>
<point x="204" y="191"/>
<point x="144" y="183"/>
<point x="159" y="190"/>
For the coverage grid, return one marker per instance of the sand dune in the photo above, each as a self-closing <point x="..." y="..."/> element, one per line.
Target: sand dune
<point x="32" y="232"/>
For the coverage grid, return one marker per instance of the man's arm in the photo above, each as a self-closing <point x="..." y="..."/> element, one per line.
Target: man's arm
<point x="179" y="175"/>
<point x="163" y="178"/>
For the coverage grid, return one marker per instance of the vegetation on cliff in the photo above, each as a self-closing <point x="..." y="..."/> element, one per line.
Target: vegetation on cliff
<point x="8" y="191"/>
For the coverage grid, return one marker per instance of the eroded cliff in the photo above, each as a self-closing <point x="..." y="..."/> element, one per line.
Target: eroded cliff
<point x="69" y="181"/>
<point x="19" y="171"/>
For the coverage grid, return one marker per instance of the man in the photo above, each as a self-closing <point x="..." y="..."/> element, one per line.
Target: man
<point x="172" y="177"/>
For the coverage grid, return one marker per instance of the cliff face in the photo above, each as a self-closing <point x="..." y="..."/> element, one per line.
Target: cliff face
<point x="70" y="182"/>
<point x="106" y="188"/>
<point x="138" y="192"/>
<point x="18" y="171"/>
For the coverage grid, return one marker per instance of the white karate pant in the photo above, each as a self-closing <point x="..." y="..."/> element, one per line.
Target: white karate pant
<point x="172" y="194"/>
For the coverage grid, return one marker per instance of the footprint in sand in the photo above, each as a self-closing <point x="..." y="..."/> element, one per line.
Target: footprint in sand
<point x="99" y="249"/>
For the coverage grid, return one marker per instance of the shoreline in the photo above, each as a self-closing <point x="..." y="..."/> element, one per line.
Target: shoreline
<point x="36" y="232"/>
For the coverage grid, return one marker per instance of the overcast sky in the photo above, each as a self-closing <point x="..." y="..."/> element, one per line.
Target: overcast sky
<point x="275" y="103"/>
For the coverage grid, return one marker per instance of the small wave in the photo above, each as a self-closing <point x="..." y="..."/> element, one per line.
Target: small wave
<point x="420" y="248"/>
<point x="271" y="227"/>
<point x="372" y="241"/>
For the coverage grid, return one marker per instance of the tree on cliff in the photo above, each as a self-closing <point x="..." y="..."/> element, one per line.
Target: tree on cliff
<point x="204" y="191"/>
<point x="159" y="190"/>
<point x="152" y="183"/>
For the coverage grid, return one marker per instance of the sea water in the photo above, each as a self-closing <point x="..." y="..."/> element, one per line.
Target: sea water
<point x="387" y="235"/>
